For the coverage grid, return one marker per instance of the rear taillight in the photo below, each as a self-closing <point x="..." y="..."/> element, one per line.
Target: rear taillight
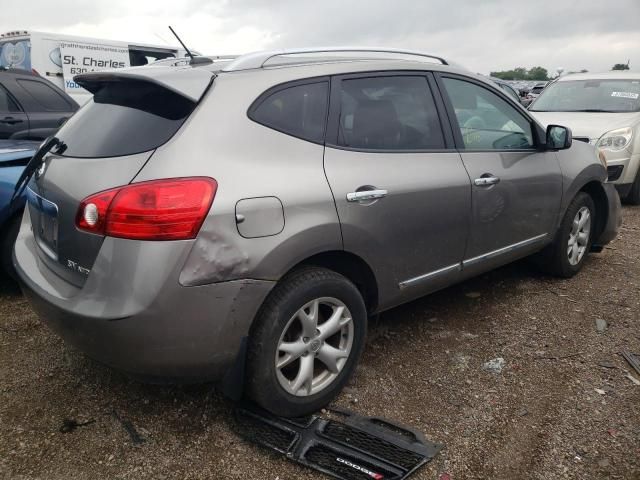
<point x="170" y="209"/>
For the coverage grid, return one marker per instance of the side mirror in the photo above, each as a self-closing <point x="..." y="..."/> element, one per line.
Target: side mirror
<point x="558" y="137"/>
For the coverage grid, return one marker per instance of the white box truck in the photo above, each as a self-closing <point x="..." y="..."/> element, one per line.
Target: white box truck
<point x="58" y="57"/>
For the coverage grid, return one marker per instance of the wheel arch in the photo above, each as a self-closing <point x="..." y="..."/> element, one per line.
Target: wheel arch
<point x="595" y="190"/>
<point x="350" y="266"/>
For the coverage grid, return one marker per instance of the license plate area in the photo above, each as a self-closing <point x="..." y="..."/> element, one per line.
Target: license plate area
<point x="44" y="220"/>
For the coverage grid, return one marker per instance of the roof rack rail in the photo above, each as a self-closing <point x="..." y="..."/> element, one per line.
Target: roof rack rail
<point x="259" y="59"/>
<point x="200" y="60"/>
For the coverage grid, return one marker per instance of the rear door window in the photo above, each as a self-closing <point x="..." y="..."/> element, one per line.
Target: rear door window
<point x="298" y="110"/>
<point x="45" y="96"/>
<point x="388" y="113"/>
<point x="124" y="118"/>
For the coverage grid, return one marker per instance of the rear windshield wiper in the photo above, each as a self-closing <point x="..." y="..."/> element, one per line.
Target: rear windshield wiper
<point x="35" y="163"/>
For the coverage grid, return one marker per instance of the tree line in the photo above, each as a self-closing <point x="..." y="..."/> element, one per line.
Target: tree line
<point x="521" y="73"/>
<point x="540" y="73"/>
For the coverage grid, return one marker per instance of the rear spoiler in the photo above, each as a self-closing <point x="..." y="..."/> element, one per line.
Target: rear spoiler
<point x="191" y="83"/>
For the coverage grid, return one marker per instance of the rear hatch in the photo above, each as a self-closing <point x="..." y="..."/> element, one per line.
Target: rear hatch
<point x="104" y="145"/>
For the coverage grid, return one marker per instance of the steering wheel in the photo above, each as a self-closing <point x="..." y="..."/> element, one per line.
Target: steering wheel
<point x="476" y="123"/>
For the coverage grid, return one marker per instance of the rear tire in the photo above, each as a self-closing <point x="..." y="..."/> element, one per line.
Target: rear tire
<point x="633" y="197"/>
<point x="566" y="255"/>
<point x="292" y="340"/>
<point x="7" y="241"/>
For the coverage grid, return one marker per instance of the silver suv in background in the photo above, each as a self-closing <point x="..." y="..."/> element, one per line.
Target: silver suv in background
<point x="240" y="220"/>
<point x="602" y="109"/>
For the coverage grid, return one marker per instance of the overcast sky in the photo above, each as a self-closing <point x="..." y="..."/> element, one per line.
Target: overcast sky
<point x="483" y="35"/>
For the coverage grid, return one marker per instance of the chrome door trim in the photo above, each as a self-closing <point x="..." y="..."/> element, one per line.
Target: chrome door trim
<point x="501" y="251"/>
<point x="430" y="276"/>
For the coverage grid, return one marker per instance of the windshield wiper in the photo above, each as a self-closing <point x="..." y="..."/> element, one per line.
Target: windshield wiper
<point x="590" y="110"/>
<point x="34" y="164"/>
<point x="593" y="110"/>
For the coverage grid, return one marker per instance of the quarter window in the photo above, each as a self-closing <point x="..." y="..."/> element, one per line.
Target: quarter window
<point x="486" y="121"/>
<point x="299" y="110"/>
<point x="388" y="113"/>
<point x="7" y="104"/>
<point x="48" y="98"/>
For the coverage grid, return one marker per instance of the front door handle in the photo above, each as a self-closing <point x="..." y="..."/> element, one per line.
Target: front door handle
<point x="364" y="195"/>
<point x="486" y="180"/>
<point x="10" y="120"/>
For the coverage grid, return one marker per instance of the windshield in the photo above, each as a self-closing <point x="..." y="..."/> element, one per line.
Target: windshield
<point x="590" y="96"/>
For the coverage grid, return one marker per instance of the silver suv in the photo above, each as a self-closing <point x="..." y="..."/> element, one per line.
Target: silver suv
<point x="240" y="220"/>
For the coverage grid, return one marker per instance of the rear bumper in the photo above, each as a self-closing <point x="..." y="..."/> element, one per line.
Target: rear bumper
<point x="614" y="217"/>
<point x="150" y="327"/>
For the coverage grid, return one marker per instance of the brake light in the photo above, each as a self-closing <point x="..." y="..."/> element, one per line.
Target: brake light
<point x="169" y="209"/>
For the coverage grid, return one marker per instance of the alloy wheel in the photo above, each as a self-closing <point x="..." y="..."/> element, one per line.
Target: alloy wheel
<point x="314" y="346"/>
<point x="579" y="236"/>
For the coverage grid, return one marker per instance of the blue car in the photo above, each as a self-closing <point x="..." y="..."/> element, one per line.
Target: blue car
<point x="14" y="156"/>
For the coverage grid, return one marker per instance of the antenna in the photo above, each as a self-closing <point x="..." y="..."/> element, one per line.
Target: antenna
<point x="194" y="60"/>
<point x="181" y="43"/>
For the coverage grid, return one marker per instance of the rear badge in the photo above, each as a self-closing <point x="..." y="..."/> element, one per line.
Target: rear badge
<point x="77" y="268"/>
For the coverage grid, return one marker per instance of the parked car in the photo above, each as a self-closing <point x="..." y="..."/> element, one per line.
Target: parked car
<point x="535" y="91"/>
<point x="14" y="155"/>
<point x="241" y="220"/>
<point x="507" y="87"/>
<point x="604" y="110"/>
<point x="31" y="108"/>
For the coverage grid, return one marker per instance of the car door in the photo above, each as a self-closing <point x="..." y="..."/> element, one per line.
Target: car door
<point x="516" y="186"/>
<point x="12" y="119"/>
<point x="401" y="191"/>
<point x="46" y="106"/>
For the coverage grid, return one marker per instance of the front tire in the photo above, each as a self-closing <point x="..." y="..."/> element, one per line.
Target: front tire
<point x="566" y="255"/>
<point x="306" y="342"/>
<point x="633" y="197"/>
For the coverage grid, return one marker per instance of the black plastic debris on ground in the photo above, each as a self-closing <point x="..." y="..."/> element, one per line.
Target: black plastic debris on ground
<point x="632" y="359"/>
<point x="69" y="425"/>
<point x="355" y="448"/>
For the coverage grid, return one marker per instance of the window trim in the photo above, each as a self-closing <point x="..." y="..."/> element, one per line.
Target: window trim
<point x="335" y="106"/>
<point x="536" y="131"/>
<point x="257" y="103"/>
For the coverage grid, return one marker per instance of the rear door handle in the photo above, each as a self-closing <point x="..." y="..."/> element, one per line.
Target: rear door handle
<point x="486" y="180"/>
<point x="10" y="120"/>
<point x="365" y="195"/>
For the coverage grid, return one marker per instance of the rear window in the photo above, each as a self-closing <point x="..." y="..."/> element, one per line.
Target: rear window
<point x="124" y="118"/>
<point x="45" y="96"/>
<point x="299" y="110"/>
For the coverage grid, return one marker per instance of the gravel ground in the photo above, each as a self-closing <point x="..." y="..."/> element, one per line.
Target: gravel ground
<point x="561" y="407"/>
